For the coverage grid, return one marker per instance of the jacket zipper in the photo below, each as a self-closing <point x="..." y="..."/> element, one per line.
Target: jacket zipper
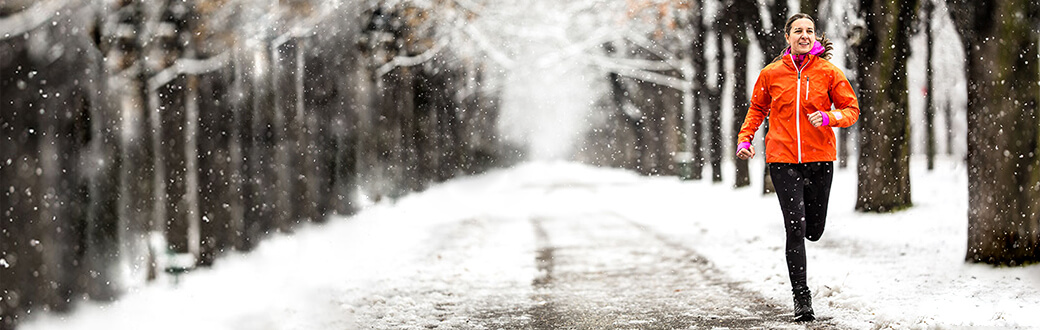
<point x="798" y="105"/>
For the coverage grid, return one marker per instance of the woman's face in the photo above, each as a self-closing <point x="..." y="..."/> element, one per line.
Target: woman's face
<point x="801" y="36"/>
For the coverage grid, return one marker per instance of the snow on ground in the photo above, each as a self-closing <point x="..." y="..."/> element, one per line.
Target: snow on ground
<point x="900" y="270"/>
<point x="892" y="270"/>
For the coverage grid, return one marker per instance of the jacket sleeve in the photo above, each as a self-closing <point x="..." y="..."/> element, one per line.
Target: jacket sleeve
<point x="757" y="110"/>
<point x="846" y="105"/>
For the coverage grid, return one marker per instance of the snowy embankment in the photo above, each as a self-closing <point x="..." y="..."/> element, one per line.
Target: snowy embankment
<point x="899" y="270"/>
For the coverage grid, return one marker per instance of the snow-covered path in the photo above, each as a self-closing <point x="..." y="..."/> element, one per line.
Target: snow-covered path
<point x="605" y="271"/>
<point x="562" y="245"/>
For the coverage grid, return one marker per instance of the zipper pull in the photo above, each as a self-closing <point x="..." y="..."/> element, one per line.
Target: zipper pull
<point x="806" y="89"/>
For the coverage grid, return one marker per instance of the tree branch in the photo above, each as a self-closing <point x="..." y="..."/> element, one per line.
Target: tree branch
<point x="411" y="60"/>
<point x="622" y="68"/>
<point x="29" y="19"/>
<point x="187" y="66"/>
<point x="643" y="42"/>
<point x="485" y="45"/>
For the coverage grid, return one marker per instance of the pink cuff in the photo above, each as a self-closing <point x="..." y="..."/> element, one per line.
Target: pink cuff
<point x="826" y="119"/>
<point x="743" y="145"/>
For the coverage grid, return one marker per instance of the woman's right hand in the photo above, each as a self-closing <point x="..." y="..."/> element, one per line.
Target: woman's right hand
<point x="745" y="151"/>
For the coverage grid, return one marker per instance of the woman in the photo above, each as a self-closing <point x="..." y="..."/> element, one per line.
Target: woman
<point x="797" y="92"/>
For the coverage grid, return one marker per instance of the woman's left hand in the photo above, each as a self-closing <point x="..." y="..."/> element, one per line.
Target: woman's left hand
<point x="816" y="118"/>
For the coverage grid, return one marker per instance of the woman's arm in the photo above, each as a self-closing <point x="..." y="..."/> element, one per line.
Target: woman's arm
<point x="757" y="111"/>
<point x="846" y="105"/>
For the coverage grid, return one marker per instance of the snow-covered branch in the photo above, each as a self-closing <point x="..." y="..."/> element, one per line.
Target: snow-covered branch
<point x="470" y="6"/>
<point x="187" y="66"/>
<point x="485" y="45"/>
<point x="579" y="48"/>
<point x="641" y="64"/>
<point x="29" y="19"/>
<point x="651" y="46"/>
<point x="411" y="60"/>
<point x="639" y="73"/>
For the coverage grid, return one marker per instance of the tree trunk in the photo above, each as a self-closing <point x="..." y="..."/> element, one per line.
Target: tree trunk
<point x="636" y="125"/>
<point x="740" y="99"/>
<point x="260" y="173"/>
<point x="237" y="137"/>
<point x="929" y="106"/>
<point x="346" y="134"/>
<point x="1003" y="129"/>
<point x="216" y="173"/>
<point x="318" y="92"/>
<point x="171" y="166"/>
<point x="283" y="137"/>
<point x="700" y="92"/>
<point x="884" y="162"/>
<point x="773" y="39"/>
<point x="948" y="118"/>
<point x="136" y="183"/>
<point x="306" y="146"/>
<point x="812" y="7"/>
<point x="658" y="127"/>
<point x="773" y="43"/>
<point x="715" y="102"/>
<point x="94" y="152"/>
<point x="190" y="201"/>
<point x="845" y="135"/>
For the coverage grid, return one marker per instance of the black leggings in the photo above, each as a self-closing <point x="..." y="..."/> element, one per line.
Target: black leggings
<point x="803" y="191"/>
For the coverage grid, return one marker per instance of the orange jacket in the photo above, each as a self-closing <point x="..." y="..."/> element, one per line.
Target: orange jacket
<point x="787" y="95"/>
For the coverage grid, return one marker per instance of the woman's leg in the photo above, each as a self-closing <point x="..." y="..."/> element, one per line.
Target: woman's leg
<point x="818" y="179"/>
<point x="790" y="181"/>
<point x="790" y="189"/>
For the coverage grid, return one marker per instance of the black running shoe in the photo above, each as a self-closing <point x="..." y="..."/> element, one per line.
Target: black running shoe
<point x="803" y="311"/>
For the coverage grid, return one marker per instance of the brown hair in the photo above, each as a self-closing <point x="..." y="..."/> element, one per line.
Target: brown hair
<point x="820" y="36"/>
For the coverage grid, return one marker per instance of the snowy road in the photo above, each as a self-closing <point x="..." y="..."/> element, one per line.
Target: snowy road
<point x="593" y="268"/>
<point x="568" y="246"/>
<point x="594" y="271"/>
<point x="602" y="271"/>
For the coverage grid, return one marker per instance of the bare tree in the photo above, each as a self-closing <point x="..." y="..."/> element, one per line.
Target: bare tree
<point x="884" y="161"/>
<point x="1003" y="128"/>
<point x="772" y="42"/>
<point x="741" y="13"/>
<point x="929" y="104"/>
<point x="58" y="231"/>
<point x="722" y="29"/>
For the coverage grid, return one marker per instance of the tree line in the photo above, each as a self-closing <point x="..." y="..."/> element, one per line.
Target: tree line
<point x="145" y="137"/>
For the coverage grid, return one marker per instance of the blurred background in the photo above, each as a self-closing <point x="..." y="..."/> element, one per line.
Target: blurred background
<point x="142" y="137"/>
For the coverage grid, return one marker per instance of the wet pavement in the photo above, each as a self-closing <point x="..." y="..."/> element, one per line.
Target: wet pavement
<point x="602" y="271"/>
<point x="594" y="271"/>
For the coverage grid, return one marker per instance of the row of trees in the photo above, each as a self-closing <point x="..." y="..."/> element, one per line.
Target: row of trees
<point x="142" y="137"/>
<point x="136" y="130"/>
